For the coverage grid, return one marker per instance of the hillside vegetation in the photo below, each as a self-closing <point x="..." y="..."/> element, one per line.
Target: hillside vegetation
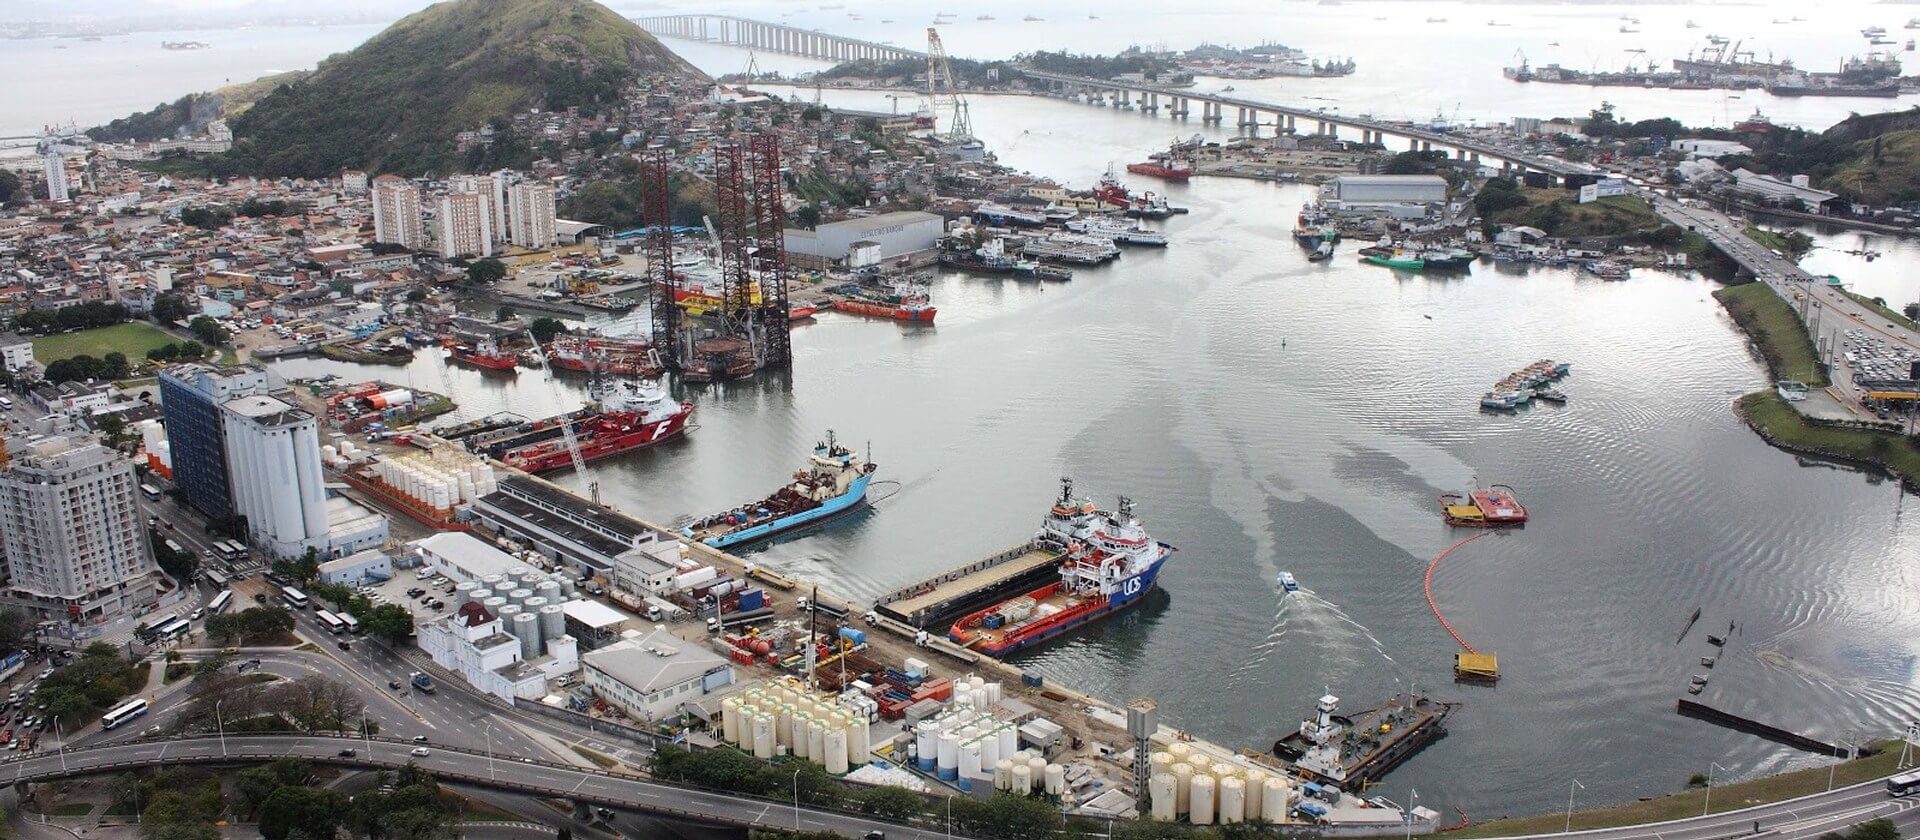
<point x="394" y="103"/>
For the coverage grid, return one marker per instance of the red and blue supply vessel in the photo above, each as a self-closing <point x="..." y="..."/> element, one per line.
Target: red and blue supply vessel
<point x="1110" y="564"/>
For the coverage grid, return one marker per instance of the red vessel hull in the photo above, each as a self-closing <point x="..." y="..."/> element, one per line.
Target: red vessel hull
<point x="885" y="310"/>
<point x="501" y="363"/>
<point x="603" y="443"/>
<point x="801" y="312"/>
<point x="1078" y="615"/>
<point x="1158" y="171"/>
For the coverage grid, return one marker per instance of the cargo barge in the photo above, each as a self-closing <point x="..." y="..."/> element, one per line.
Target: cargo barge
<point x="834" y="482"/>
<point x="1495" y="507"/>
<point x="1352" y="751"/>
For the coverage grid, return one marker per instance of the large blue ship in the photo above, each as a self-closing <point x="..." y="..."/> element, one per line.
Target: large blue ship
<point x="834" y="482"/>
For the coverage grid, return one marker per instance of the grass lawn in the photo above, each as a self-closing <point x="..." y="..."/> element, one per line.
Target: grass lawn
<point x="72" y="809"/>
<point x="1767" y="410"/>
<point x="1726" y="797"/>
<point x="1560" y="213"/>
<point x="132" y="338"/>
<point x="1775" y="329"/>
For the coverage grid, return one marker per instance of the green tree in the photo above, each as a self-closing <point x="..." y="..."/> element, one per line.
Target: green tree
<point x="391" y="622"/>
<point x="486" y="271"/>
<point x="545" y="328"/>
<point x="169" y="307"/>
<point x="209" y="330"/>
<point x="10" y="191"/>
<point x="1876" y="829"/>
<point x="314" y="812"/>
<point x="16" y="628"/>
<point x="416" y="295"/>
<point x="893" y="803"/>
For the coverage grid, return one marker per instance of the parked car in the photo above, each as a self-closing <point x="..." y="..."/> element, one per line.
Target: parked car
<point x="419" y="739"/>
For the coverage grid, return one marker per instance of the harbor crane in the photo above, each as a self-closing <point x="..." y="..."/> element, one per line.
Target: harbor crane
<point x="566" y="426"/>
<point x="943" y="94"/>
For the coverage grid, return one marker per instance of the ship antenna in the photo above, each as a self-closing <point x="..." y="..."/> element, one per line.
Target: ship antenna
<point x="1066" y="488"/>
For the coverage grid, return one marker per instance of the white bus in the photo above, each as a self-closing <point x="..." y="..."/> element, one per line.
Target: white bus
<point x="333" y="624"/>
<point x="151" y="492"/>
<point x="1904" y="784"/>
<point x="220" y="602"/>
<point x="214" y="578"/>
<point x="232" y="551"/>
<point x="125" y="712"/>
<point x="170" y="629"/>
<point x="174" y="547"/>
<point x="353" y="624"/>
<point x="294" y="598"/>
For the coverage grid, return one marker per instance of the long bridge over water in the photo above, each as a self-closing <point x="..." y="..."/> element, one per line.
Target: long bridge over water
<point x="763" y="36"/>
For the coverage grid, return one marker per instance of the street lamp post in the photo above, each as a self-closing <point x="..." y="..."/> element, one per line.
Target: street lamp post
<point x="219" y="726"/>
<point x="489" y="733"/>
<point x="949" y="816"/>
<point x="1707" y="807"/>
<point x="1575" y="784"/>
<point x="1412" y="797"/>
<point x="796" y="799"/>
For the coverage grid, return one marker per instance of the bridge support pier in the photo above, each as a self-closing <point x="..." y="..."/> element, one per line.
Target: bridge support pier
<point x="582" y="811"/>
<point x="1426" y="146"/>
<point x="1475" y="157"/>
<point x="1180" y="104"/>
<point x="1459" y="154"/>
<point x="1209" y="112"/>
<point x="1291" y="127"/>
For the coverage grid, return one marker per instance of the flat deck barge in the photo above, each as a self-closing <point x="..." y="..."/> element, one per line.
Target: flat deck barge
<point x="1354" y="751"/>
<point x="935" y="602"/>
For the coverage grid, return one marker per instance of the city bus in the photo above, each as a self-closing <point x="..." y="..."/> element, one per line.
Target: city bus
<point x="1904" y="784"/>
<point x="220" y="602"/>
<point x="174" y="547"/>
<point x="294" y="598"/>
<point x="353" y="624"/>
<point x="125" y="712"/>
<point x="333" y="624"/>
<point x="214" y="578"/>
<point x="170" y="629"/>
<point x="151" y="492"/>
<point x="232" y="551"/>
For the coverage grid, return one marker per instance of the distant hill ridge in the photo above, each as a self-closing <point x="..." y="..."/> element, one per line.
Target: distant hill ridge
<point x="394" y="103"/>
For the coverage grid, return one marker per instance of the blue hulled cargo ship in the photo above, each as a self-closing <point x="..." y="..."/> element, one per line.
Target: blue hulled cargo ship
<point x="834" y="482"/>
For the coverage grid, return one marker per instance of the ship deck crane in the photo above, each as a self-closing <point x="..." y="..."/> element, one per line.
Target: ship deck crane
<point x="566" y="426"/>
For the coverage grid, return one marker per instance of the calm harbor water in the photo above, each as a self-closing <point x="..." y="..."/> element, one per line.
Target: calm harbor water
<point x="1268" y="414"/>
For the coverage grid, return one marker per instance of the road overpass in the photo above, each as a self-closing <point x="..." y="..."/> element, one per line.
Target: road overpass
<point x="762" y="36"/>
<point x="584" y="787"/>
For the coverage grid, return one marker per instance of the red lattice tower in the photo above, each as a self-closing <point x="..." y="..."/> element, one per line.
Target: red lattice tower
<point x="770" y="248"/>
<point x="657" y="211"/>
<point x="731" y="223"/>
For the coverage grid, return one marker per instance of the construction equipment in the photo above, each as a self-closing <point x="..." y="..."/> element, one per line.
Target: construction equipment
<point x="656" y="212"/>
<point x="943" y="93"/>
<point x="566" y="426"/>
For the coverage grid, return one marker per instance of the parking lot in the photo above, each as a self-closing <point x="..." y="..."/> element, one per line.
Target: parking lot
<point x="434" y="598"/>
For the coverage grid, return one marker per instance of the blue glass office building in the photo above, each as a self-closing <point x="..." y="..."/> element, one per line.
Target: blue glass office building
<point x="190" y="399"/>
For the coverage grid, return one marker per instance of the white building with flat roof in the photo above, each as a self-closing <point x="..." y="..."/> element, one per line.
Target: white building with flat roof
<point x="531" y="215"/>
<point x="466" y="225"/>
<point x="653" y="676"/>
<point x="486" y="652"/>
<point x="462" y="557"/>
<point x="396" y="213"/>
<point x="76" y="551"/>
<point x="897" y="234"/>
<point x="16" y="353"/>
<point x="1387" y="189"/>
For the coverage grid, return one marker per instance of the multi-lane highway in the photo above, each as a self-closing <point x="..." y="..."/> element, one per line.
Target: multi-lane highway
<point x="1829" y="313"/>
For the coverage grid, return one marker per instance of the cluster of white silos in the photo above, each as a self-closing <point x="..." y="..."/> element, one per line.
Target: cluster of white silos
<point x="783" y="717"/>
<point x="975" y="692"/>
<point x="153" y="439"/>
<point x="1027" y="773"/>
<point x="343" y="452"/>
<point x="439" y="481"/>
<point x="967" y="743"/>
<point x="1208" y="789"/>
<point x="529" y="603"/>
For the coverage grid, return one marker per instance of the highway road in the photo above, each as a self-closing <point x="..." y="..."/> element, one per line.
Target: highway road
<point x="1829" y="313"/>
<point x="519" y="774"/>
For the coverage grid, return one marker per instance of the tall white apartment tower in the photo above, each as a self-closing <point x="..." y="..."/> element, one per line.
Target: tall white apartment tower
<point x="532" y="215"/>
<point x="76" y="551"/>
<point x="396" y="213"/>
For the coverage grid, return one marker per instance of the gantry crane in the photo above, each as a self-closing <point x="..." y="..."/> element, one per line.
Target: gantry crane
<point x="940" y="75"/>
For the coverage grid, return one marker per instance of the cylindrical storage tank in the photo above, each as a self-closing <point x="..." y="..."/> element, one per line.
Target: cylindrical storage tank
<point x="817" y="740"/>
<point x="989" y="748"/>
<point x="493" y="581"/>
<point x="1037" y="771"/>
<point x="1056" y="781"/>
<point x="926" y="739"/>
<point x="526" y="628"/>
<point x="568" y="586"/>
<point x="1179" y="751"/>
<point x="1009" y="739"/>
<point x="519" y="596"/>
<point x="948" y="759"/>
<point x="783" y="728"/>
<point x="763" y="737"/>
<point x="550" y="590"/>
<point x="993" y="693"/>
<point x="1182" y="786"/>
<point x="1273" y="800"/>
<point x="836" y="744"/>
<point x="553" y="622"/>
<point x="533" y="605"/>
<point x="517" y="572"/>
<point x="976" y="684"/>
<point x="1201" y="763"/>
<point x="962" y="699"/>
<point x="463" y="592"/>
<point x="1022" y="781"/>
<point x="803" y="724"/>
<point x="859" y="742"/>
<point x="506" y="615"/>
<point x="730" y="720"/>
<point x="1256" y="784"/>
<point x="1002" y="774"/>
<point x="494" y="604"/>
<point x="1160" y="797"/>
<point x="1200" y="800"/>
<point x="481" y="593"/>
<point x="969" y="763"/>
<point x="1233" y="800"/>
<point x="1160" y="763"/>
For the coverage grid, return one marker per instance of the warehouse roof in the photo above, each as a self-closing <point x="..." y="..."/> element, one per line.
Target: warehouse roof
<point x="593" y="613"/>
<point x="655" y="661"/>
<point x="1390" y="180"/>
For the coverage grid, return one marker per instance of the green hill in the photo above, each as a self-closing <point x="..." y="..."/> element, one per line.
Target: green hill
<point x="394" y="103"/>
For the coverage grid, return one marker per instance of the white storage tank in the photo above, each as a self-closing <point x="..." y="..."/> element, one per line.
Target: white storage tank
<point x="926" y="739"/>
<point x="783" y="726"/>
<point x="1056" y="783"/>
<point x="1009" y="739"/>
<point x="763" y="737"/>
<point x="1003" y="774"/>
<point x="533" y="605"/>
<point x="1183" y="786"/>
<point x="1161" y="762"/>
<point x="836" y="744"/>
<point x="1160" y="797"/>
<point x="550" y="590"/>
<point x="463" y="592"/>
<point x="1256" y="784"/>
<point x="1179" y="751"/>
<point x="506" y="615"/>
<point x="1233" y="800"/>
<point x="493" y="581"/>
<point x="1200" y="800"/>
<point x="526" y="628"/>
<point x="730" y="720"/>
<point x="816" y="739"/>
<point x="949" y="757"/>
<point x="859" y="742"/>
<point x="969" y="762"/>
<point x="1022" y="782"/>
<point x="519" y="596"/>
<point x="1037" y="771"/>
<point x="1201" y="763"/>
<point x="1273" y="800"/>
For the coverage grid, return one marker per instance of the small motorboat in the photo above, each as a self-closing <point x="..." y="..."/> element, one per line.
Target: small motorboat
<point x="1287" y="583"/>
